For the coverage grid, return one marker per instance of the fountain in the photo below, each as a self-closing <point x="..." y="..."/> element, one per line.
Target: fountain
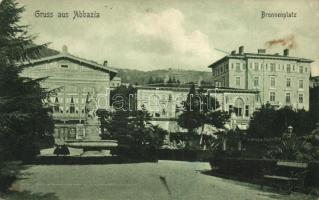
<point x="88" y="134"/>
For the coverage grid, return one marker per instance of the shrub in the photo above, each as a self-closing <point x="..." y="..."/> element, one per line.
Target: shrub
<point x="8" y="174"/>
<point x="61" y="150"/>
<point x="293" y="149"/>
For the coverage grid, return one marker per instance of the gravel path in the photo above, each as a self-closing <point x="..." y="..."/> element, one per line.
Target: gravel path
<point x="144" y="181"/>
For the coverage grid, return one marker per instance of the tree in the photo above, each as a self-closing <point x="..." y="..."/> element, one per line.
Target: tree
<point x="24" y="118"/>
<point x="174" y="80"/>
<point x="201" y="109"/>
<point x="150" y="80"/>
<point x="105" y="119"/>
<point x="314" y="104"/>
<point x="124" y="98"/>
<point x="268" y="122"/>
<point x="192" y="116"/>
<point x="136" y="136"/>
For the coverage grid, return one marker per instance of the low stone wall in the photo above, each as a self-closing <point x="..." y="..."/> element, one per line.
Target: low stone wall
<point x="79" y="160"/>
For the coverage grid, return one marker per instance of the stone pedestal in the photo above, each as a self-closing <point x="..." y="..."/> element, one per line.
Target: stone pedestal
<point x="92" y="129"/>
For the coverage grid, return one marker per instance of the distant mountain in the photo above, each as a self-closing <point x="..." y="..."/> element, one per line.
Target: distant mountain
<point x="173" y="75"/>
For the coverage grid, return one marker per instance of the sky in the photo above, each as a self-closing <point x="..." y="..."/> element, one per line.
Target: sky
<point x="178" y="34"/>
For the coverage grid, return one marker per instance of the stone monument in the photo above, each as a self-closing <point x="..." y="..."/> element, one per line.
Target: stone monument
<point x="92" y="124"/>
<point x="88" y="134"/>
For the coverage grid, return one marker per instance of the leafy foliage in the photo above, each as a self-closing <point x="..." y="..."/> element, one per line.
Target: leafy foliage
<point x="269" y="122"/>
<point x="136" y="136"/>
<point x="296" y="149"/>
<point x="123" y="98"/>
<point x="61" y="150"/>
<point x="314" y="105"/>
<point x="201" y="109"/>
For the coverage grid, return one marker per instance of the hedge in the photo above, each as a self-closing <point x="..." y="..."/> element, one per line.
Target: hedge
<point x="251" y="169"/>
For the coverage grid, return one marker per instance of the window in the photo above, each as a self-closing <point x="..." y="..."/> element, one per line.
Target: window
<point x="237" y="66"/>
<point x="305" y="69"/>
<point x="232" y="66"/>
<point x="272" y="97"/>
<point x="272" y="67"/>
<point x="300" y="69"/>
<point x="163" y="112"/>
<point x="72" y="108"/>
<point x="293" y="68"/>
<point x="288" y="100"/>
<point x="239" y="107"/>
<point x="237" y="81"/>
<point x="256" y="66"/>
<point x="247" y="110"/>
<point x="256" y="81"/>
<point x="300" y="98"/>
<point x="230" y="108"/>
<point x="64" y="66"/>
<point x="56" y="105"/>
<point x="251" y="65"/>
<point x="257" y="97"/>
<point x="300" y="84"/>
<point x="288" y="68"/>
<point x="272" y="82"/>
<point x="288" y="83"/>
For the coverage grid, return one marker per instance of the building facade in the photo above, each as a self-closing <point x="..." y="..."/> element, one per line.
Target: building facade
<point x="280" y="79"/>
<point x="314" y="81"/>
<point x="116" y="82"/>
<point x="81" y="86"/>
<point x="165" y="104"/>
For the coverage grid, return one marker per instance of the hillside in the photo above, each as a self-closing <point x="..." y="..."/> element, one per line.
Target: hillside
<point x="145" y="77"/>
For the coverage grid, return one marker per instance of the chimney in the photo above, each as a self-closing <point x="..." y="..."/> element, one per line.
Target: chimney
<point x="105" y="63"/>
<point x="233" y="52"/>
<point x="64" y="49"/>
<point x="261" y="51"/>
<point x="241" y="50"/>
<point x="286" y="52"/>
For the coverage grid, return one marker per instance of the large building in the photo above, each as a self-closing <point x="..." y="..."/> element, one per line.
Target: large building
<point x="314" y="81"/>
<point x="280" y="79"/>
<point x="165" y="104"/>
<point x="82" y="87"/>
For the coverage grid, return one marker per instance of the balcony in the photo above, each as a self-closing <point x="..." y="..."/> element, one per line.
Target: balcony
<point x="68" y="116"/>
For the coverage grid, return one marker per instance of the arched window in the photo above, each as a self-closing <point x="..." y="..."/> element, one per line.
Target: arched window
<point x="239" y="107"/>
<point x="154" y="105"/>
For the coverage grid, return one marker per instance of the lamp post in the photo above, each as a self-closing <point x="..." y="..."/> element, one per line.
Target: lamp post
<point x="290" y="129"/>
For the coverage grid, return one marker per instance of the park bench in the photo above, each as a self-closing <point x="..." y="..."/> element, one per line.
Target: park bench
<point x="286" y="174"/>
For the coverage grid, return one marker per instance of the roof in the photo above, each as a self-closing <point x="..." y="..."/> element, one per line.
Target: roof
<point x="116" y="78"/>
<point x="67" y="56"/>
<point x="260" y="56"/>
